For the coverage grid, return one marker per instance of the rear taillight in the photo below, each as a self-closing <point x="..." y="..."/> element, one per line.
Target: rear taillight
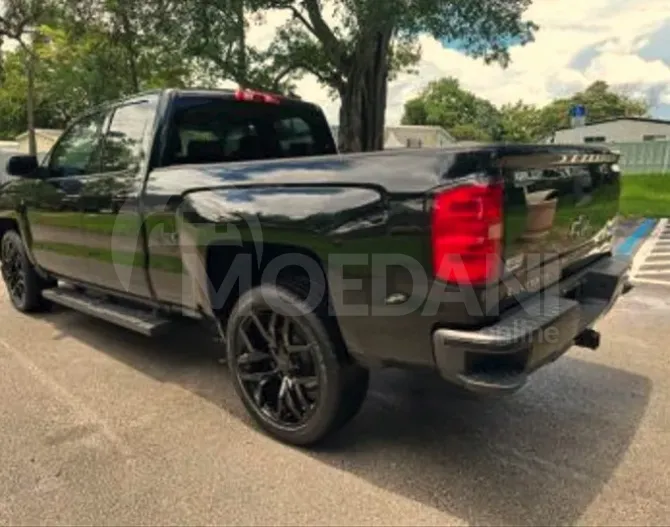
<point x="255" y="96"/>
<point x="467" y="234"/>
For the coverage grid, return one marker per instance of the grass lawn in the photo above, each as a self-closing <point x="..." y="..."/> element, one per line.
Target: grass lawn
<point x="645" y="195"/>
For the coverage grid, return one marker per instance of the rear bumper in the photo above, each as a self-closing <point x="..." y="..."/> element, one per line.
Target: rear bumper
<point x="499" y="358"/>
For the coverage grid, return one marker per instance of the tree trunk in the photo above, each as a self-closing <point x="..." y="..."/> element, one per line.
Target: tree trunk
<point x="30" y="101"/>
<point x="132" y="66"/>
<point x="363" y="98"/>
<point x="128" y="37"/>
<point x="351" y="124"/>
<point x="243" y="70"/>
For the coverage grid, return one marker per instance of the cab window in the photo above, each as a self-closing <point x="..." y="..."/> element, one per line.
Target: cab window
<point x="77" y="151"/>
<point x="123" y="146"/>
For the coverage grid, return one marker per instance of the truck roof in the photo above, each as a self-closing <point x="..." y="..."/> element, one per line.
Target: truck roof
<point x="233" y="93"/>
<point x="213" y="92"/>
<point x="203" y="92"/>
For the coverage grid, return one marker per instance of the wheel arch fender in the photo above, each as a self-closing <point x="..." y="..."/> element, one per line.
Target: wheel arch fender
<point x="244" y="227"/>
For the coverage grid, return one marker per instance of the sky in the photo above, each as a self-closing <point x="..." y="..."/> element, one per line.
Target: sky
<point x="623" y="42"/>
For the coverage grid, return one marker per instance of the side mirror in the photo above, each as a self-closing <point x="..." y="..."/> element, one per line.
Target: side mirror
<point x="22" y="166"/>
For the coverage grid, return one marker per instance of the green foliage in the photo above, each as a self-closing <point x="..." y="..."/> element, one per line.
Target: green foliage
<point x="416" y="112"/>
<point x="210" y="36"/>
<point x="91" y="51"/>
<point x="152" y="55"/>
<point x="601" y="103"/>
<point x="371" y="41"/>
<point x="86" y="53"/>
<point x="70" y="76"/>
<point x="12" y="97"/>
<point x="520" y="123"/>
<point x="444" y="103"/>
<point x="76" y="73"/>
<point x="17" y="17"/>
<point x="469" y="132"/>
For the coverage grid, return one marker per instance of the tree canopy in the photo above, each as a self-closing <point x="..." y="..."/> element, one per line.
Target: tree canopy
<point x="601" y="102"/>
<point x="90" y="51"/>
<point x="353" y="47"/>
<point x="369" y="41"/>
<point x="84" y="55"/>
<point x="445" y="103"/>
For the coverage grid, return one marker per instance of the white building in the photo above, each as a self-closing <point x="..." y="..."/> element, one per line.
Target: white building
<point x="415" y="136"/>
<point x="619" y="130"/>
<point x="412" y="136"/>
<point x="44" y="139"/>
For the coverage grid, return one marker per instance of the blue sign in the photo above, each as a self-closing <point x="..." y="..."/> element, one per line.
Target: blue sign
<point x="578" y="110"/>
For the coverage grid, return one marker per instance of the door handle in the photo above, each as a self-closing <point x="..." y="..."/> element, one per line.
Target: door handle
<point x="169" y="238"/>
<point x="379" y="219"/>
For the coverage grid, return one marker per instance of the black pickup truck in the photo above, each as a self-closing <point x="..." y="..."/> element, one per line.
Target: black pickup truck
<point x="234" y="207"/>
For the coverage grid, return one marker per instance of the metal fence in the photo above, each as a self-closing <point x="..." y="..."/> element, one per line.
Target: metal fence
<point x="649" y="157"/>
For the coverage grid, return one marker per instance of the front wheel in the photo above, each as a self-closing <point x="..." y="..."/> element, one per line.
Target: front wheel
<point x="286" y="364"/>
<point x="24" y="285"/>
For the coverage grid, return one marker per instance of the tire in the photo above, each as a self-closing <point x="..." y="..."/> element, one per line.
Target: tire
<point x="341" y="384"/>
<point x="27" y="297"/>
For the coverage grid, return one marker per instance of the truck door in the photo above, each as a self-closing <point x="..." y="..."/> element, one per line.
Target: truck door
<point x="112" y="224"/>
<point x="53" y="203"/>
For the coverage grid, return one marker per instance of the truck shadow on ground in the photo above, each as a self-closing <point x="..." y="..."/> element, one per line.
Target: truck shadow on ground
<point x="539" y="457"/>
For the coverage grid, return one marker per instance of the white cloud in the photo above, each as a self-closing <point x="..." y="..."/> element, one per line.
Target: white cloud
<point x="616" y="30"/>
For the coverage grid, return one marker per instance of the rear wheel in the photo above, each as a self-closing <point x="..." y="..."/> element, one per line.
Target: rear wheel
<point x="289" y="368"/>
<point x="24" y="285"/>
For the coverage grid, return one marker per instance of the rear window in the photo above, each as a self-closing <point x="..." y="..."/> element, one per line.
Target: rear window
<point x="218" y="129"/>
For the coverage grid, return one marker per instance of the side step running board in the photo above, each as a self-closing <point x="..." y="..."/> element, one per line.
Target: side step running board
<point x="135" y="319"/>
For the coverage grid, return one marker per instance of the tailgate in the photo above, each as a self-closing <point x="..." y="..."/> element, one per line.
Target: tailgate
<point x="560" y="207"/>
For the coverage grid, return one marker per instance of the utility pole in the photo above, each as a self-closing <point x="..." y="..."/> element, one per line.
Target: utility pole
<point x="30" y="96"/>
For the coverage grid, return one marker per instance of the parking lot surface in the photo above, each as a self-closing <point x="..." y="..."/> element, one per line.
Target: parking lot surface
<point x="101" y="426"/>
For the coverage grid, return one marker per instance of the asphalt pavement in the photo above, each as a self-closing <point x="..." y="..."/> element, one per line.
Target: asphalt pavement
<point x="101" y="426"/>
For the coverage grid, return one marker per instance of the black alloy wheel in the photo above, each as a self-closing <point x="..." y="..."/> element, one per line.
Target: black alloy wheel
<point x="13" y="270"/>
<point x="24" y="285"/>
<point x="289" y="365"/>
<point x="276" y="365"/>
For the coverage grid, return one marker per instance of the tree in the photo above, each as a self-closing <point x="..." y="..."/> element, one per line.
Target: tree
<point x="13" y="96"/>
<point x="211" y="37"/>
<point x="54" y="72"/>
<point x="79" y="72"/>
<point x="468" y="117"/>
<point x="373" y="40"/>
<point x="469" y="132"/>
<point x="520" y="123"/>
<point x="601" y="102"/>
<point x="17" y="20"/>
<point x="17" y="17"/>
<point x="152" y="50"/>
<point x="68" y="79"/>
<point x="74" y="72"/>
<point x="465" y="116"/>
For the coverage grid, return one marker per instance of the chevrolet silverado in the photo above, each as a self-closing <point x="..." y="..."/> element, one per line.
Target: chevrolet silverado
<point x="479" y="263"/>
